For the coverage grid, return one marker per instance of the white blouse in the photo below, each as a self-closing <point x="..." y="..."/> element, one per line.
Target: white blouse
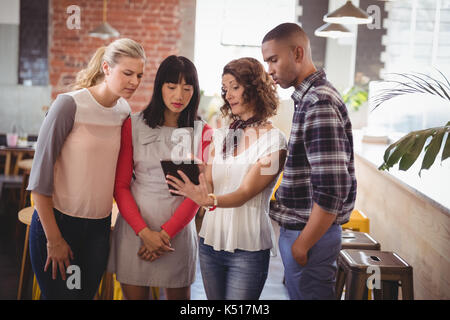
<point x="247" y="227"/>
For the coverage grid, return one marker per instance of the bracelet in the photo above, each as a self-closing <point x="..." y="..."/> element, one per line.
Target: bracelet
<point x="212" y="195"/>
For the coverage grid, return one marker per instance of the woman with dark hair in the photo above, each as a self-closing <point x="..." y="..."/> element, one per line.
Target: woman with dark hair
<point x="155" y="241"/>
<point x="236" y="236"/>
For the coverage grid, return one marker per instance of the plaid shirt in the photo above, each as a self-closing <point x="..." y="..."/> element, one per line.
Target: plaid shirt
<point x="320" y="165"/>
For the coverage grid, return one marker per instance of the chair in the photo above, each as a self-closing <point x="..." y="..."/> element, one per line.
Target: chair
<point x="354" y="240"/>
<point x="9" y="182"/>
<point x="25" y="217"/>
<point x="358" y="266"/>
<point x="25" y="167"/>
<point x="272" y="198"/>
<point x="358" y="222"/>
<point x="358" y="240"/>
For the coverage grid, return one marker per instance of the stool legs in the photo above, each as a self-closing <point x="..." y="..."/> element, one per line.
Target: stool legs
<point x="107" y="291"/>
<point x="23" y="192"/>
<point x="355" y="286"/>
<point x="340" y="282"/>
<point x="407" y="288"/>
<point x="25" y="267"/>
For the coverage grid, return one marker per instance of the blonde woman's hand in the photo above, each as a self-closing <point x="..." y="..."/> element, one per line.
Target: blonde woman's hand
<point x="59" y="255"/>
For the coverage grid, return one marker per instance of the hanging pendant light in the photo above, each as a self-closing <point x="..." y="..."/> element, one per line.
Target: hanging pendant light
<point x="348" y="14"/>
<point x="333" y="30"/>
<point x="104" y="31"/>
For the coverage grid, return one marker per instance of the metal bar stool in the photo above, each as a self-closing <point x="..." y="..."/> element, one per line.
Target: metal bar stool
<point x="353" y="240"/>
<point x="357" y="266"/>
<point x="358" y="240"/>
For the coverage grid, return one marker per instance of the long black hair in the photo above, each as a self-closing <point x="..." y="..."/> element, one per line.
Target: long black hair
<point x="172" y="70"/>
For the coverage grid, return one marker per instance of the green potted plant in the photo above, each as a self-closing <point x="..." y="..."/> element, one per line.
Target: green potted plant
<point x="355" y="99"/>
<point x="408" y="148"/>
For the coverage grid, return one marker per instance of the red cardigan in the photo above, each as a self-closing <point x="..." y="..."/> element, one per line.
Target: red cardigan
<point x="125" y="200"/>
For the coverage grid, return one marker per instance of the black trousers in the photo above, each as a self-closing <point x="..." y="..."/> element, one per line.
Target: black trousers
<point x="89" y="242"/>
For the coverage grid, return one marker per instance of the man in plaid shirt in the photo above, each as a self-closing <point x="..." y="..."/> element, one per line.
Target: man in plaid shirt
<point x="318" y="190"/>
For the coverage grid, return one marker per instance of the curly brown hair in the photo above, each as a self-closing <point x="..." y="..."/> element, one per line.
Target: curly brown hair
<point x="259" y="89"/>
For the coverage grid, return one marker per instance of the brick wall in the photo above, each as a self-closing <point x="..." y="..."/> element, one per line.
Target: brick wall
<point x="156" y="24"/>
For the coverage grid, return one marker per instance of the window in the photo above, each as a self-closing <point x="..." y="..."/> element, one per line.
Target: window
<point x="417" y="41"/>
<point x="33" y="42"/>
<point x="231" y="29"/>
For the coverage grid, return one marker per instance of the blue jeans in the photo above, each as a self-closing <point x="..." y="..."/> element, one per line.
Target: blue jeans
<point x="316" y="280"/>
<point x="233" y="276"/>
<point x="89" y="242"/>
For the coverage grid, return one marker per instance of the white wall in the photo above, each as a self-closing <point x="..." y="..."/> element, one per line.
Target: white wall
<point x="340" y="54"/>
<point x="19" y="105"/>
<point x="10" y="12"/>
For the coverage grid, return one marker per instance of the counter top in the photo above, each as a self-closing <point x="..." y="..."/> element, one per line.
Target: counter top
<point x="433" y="184"/>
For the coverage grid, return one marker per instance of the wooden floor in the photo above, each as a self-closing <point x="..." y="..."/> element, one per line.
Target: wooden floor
<point x="11" y="242"/>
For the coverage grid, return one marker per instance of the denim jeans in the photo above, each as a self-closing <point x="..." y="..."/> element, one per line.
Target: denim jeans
<point x="316" y="280"/>
<point x="233" y="276"/>
<point x="89" y="242"/>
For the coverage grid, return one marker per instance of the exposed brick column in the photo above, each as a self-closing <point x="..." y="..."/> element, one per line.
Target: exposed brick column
<point x="155" y="24"/>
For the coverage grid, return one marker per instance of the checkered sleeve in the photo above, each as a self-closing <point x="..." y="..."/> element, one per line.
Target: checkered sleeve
<point x="328" y="152"/>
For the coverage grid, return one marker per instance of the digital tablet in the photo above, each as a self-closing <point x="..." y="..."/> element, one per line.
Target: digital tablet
<point x="188" y="167"/>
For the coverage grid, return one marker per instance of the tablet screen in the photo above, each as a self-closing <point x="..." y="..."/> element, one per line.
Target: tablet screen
<point x="188" y="167"/>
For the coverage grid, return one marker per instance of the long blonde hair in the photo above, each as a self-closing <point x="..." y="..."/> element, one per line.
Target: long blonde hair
<point x="93" y="73"/>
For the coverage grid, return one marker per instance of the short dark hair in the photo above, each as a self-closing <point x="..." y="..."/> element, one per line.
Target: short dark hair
<point x="172" y="70"/>
<point x="283" y="31"/>
<point x="259" y="89"/>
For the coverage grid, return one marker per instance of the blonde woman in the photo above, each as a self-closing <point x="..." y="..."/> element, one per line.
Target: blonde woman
<point x="72" y="178"/>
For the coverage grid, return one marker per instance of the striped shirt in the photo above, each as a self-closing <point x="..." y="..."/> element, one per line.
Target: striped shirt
<point x="320" y="163"/>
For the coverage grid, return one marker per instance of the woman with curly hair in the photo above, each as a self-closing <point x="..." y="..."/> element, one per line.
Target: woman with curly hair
<point x="236" y="236"/>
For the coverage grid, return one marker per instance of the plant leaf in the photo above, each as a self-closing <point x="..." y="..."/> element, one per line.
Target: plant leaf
<point x="400" y="148"/>
<point x="415" y="83"/>
<point x="432" y="149"/>
<point x="446" y="151"/>
<point x="439" y="83"/>
<point x="413" y="153"/>
<point x="443" y="76"/>
<point x="387" y="153"/>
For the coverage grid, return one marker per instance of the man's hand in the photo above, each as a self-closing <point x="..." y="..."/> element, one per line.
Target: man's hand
<point x="300" y="252"/>
<point x="318" y="223"/>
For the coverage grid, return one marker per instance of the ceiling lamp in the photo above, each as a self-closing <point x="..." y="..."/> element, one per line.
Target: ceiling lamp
<point x="333" y="30"/>
<point x="104" y="31"/>
<point x="348" y="14"/>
